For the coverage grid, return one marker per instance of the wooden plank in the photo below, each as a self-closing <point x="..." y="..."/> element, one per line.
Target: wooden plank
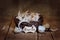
<point x="2" y="32"/>
<point x="2" y="35"/>
<point x="44" y="36"/>
<point x="4" y="26"/>
<point x="23" y="36"/>
<point x="56" y="35"/>
<point x="8" y="30"/>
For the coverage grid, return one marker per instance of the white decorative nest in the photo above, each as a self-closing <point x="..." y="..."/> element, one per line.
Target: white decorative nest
<point x="31" y="29"/>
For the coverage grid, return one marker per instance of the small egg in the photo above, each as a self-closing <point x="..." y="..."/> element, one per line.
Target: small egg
<point x="41" y="28"/>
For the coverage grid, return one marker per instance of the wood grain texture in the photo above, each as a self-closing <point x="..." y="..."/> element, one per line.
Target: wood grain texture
<point x="44" y="36"/>
<point x="56" y="35"/>
<point x="23" y="36"/>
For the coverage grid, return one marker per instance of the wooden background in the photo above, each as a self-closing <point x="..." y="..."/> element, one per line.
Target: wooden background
<point x="50" y="9"/>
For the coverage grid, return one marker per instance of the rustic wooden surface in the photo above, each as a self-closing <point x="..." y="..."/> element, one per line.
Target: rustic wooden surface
<point x="49" y="8"/>
<point x="2" y="35"/>
<point x="30" y="36"/>
<point x="56" y="35"/>
<point x="44" y="36"/>
<point x="23" y="36"/>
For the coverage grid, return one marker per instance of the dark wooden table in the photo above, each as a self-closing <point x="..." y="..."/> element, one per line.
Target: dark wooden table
<point x="8" y="35"/>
